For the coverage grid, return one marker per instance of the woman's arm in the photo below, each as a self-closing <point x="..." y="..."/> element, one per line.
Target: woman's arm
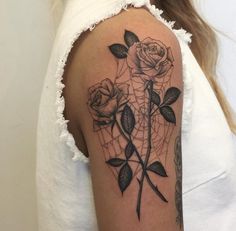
<point x="124" y="97"/>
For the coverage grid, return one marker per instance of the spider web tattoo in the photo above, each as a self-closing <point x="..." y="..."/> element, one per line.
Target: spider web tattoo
<point x="133" y="116"/>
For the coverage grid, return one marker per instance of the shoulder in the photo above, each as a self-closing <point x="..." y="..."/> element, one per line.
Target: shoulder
<point x="94" y="44"/>
<point x="134" y="36"/>
<point x="92" y="47"/>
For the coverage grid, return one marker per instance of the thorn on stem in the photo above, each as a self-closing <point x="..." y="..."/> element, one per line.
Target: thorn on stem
<point x="138" y="214"/>
<point x="138" y="181"/>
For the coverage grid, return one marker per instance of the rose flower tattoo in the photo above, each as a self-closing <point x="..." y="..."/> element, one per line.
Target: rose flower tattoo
<point x="149" y="59"/>
<point x="106" y="98"/>
<point x="133" y="115"/>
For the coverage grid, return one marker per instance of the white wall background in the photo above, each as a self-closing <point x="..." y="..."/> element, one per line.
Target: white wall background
<point x="221" y="14"/>
<point x="26" y="35"/>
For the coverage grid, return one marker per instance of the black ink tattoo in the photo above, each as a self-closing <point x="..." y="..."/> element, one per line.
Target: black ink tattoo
<point x="178" y="186"/>
<point x="133" y="115"/>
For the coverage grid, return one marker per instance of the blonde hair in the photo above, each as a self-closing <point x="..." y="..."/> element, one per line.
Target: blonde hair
<point x="203" y="36"/>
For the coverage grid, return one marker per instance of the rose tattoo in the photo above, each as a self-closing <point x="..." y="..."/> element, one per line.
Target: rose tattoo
<point x="111" y="105"/>
<point x="150" y="59"/>
<point x="105" y="100"/>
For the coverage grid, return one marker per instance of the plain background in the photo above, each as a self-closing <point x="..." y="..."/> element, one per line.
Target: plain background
<point x="26" y="36"/>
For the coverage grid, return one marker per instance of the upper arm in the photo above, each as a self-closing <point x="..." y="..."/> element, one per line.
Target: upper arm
<point x="124" y="92"/>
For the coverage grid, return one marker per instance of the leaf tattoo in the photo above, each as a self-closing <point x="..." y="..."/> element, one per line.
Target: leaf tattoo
<point x="115" y="162"/>
<point x="129" y="150"/>
<point x="125" y="177"/>
<point x="156" y="98"/>
<point x="119" y="51"/>
<point x="171" y="96"/>
<point x="123" y="110"/>
<point x="168" y="113"/>
<point x="127" y="120"/>
<point x="157" y="168"/>
<point x="130" y="38"/>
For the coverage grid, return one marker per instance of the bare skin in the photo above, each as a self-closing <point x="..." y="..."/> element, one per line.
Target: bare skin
<point x="124" y="101"/>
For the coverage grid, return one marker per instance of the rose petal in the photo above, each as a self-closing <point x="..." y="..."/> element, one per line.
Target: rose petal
<point x="104" y="91"/>
<point x="93" y="88"/>
<point x="160" y="46"/>
<point x="148" y="55"/>
<point x="148" y="40"/>
<point x="144" y="56"/>
<point x="107" y="84"/>
<point x="144" y="65"/>
<point x="164" y="57"/>
<point x="152" y="72"/>
<point x="157" y="54"/>
<point x="96" y="115"/>
<point x="170" y="55"/>
<point x="132" y="58"/>
<point x="107" y="109"/>
<point x="156" y="57"/>
<point x="146" y="59"/>
<point x="104" y="99"/>
<point x="164" y="68"/>
<point x="96" y="100"/>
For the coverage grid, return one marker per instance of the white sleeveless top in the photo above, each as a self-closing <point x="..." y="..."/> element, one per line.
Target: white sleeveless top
<point x="65" y="199"/>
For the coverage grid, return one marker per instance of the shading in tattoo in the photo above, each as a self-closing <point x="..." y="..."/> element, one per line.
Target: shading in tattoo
<point x="133" y="114"/>
<point x="178" y="186"/>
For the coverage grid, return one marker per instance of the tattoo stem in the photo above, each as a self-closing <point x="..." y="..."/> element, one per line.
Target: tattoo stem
<point x="128" y="139"/>
<point x="140" y="161"/>
<point x="150" y="90"/>
<point x="155" y="111"/>
<point x="121" y="130"/>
